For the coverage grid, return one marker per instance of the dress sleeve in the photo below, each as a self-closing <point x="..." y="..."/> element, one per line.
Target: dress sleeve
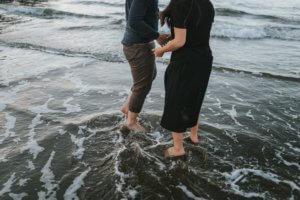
<point x="179" y="13"/>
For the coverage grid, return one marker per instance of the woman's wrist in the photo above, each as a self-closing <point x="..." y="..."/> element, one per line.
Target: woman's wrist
<point x="166" y="48"/>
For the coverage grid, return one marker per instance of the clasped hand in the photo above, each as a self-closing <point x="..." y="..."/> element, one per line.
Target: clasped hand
<point x="162" y="40"/>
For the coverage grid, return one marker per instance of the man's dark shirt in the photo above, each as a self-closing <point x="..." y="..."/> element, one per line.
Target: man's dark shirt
<point x="142" y="21"/>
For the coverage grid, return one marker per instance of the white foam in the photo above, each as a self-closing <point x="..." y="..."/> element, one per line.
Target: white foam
<point x="212" y="110"/>
<point x="23" y="181"/>
<point x="292" y="147"/>
<point x="84" y="88"/>
<point x="30" y="165"/>
<point x="70" y="193"/>
<point x="79" y="143"/>
<point x="7" y="185"/>
<point x="287" y="163"/>
<point x="231" y="135"/>
<point x="291" y="115"/>
<point x="157" y="138"/>
<point x="132" y="193"/>
<point x="119" y="185"/>
<point x="290" y="126"/>
<point x="18" y="196"/>
<point x="71" y="108"/>
<point x="149" y="99"/>
<point x="161" y="165"/>
<point x="61" y="131"/>
<point x="2" y="106"/>
<point x="233" y="114"/>
<point x="43" y="108"/>
<point x="10" y="124"/>
<point x="46" y="79"/>
<point x="226" y="83"/>
<point x="80" y="132"/>
<point x="236" y="97"/>
<point x="10" y="96"/>
<point x="32" y="145"/>
<point x="218" y="103"/>
<point x="188" y="193"/>
<point x="77" y="82"/>
<point x="249" y="114"/>
<point x="48" y="179"/>
<point x="236" y="31"/>
<point x="118" y="139"/>
<point x="236" y="175"/>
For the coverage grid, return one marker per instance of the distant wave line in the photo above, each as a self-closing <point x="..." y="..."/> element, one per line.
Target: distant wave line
<point x="47" y="13"/>
<point x="107" y="57"/>
<point x="234" y="12"/>
<point x="260" y="74"/>
<point x="226" y="30"/>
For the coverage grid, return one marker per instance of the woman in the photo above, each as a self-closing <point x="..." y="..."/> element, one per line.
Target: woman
<point x="188" y="73"/>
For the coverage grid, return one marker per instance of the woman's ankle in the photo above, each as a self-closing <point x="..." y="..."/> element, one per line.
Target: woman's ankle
<point x="178" y="150"/>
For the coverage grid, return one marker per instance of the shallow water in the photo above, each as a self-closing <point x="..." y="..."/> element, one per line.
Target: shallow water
<point x="63" y="77"/>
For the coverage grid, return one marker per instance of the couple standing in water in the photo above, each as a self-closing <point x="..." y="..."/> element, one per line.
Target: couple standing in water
<point x="187" y="75"/>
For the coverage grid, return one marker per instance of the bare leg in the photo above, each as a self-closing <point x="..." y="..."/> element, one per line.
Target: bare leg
<point x="125" y="108"/>
<point x="131" y="122"/>
<point x="177" y="149"/>
<point x="194" y="133"/>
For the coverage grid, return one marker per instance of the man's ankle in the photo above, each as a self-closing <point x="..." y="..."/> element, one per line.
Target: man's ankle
<point x="130" y="123"/>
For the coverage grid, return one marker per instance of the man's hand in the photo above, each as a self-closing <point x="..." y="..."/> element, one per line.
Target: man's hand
<point x="163" y="39"/>
<point x="162" y="18"/>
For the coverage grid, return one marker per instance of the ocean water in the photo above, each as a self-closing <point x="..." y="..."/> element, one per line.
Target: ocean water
<point x="63" y="77"/>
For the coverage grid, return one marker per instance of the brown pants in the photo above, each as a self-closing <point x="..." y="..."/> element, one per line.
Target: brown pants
<point x="143" y="69"/>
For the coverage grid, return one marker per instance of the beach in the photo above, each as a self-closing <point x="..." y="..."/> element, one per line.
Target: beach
<point x="63" y="78"/>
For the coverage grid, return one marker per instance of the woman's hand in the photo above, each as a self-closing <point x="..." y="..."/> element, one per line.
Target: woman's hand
<point x="158" y="52"/>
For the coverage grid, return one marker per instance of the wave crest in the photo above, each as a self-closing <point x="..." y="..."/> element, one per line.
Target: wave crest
<point x="226" y="30"/>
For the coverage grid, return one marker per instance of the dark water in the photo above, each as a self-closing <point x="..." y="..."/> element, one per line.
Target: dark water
<point x="63" y="78"/>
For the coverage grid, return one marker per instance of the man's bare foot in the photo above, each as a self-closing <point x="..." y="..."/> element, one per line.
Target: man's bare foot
<point x="173" y="152"/>
<point x="124" y="110"/>
<point x="137" y="128"/>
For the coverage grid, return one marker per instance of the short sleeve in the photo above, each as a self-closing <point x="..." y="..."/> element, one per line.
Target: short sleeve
<point x="179" y="13"/>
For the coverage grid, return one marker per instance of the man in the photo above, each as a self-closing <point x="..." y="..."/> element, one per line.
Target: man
<point x="138" y="42"/>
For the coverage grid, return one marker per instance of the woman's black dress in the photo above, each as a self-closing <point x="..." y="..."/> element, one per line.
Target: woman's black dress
<point x="188" y="73"/>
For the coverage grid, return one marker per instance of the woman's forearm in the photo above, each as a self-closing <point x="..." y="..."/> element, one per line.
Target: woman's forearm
<point x="173" y="45"/>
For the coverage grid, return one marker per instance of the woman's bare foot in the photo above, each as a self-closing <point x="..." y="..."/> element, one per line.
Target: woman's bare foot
<point x="174" y="152"/>
<point x="194" y="137"/>
<point x="194" y="134"/>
